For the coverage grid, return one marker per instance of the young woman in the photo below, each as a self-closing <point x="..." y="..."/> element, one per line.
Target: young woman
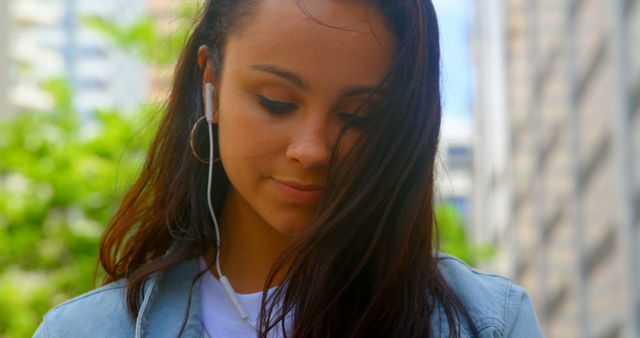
<point x="289" y="190"/>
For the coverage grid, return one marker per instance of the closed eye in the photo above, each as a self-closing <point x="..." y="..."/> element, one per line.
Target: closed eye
<point x="276" y="107"/>
<point x="353" y="120"/>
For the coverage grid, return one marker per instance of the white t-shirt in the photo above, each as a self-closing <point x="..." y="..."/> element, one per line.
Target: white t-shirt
<point x="220" y="318"/>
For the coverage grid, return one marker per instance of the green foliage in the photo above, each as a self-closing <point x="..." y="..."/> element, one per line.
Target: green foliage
<point x="61" y="178"/>
<point x="58" y="189"/>
<point x="453" y="236"/>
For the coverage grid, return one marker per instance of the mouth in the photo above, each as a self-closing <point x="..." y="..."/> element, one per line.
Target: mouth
<point x="298" y="193"/>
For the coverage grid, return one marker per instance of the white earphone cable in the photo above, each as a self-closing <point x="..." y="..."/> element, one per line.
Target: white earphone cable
<point x="231" y="294"/>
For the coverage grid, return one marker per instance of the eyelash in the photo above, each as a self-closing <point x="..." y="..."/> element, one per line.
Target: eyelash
<point x="276" y="107"/>
<point x="353" y="120"/>
<point x="283" y="108"/>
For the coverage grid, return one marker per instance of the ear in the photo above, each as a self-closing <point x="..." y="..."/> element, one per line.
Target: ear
<point x="205" y="62"/>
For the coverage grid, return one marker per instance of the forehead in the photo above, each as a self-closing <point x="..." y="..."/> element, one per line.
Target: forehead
<point x="315" y="38"/>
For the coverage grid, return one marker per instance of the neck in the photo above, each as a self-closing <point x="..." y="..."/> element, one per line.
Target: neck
<point x="249" y="246"/>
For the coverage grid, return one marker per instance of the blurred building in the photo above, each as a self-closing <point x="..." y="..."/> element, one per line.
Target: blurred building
<point x="557" y="171"/>
<point x="455" y="164"/>
<point x="47" y="39"/>
<point x="454" y="168"/>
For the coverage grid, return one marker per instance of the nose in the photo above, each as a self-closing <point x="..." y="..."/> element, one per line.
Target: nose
<point x="311" y="146"/>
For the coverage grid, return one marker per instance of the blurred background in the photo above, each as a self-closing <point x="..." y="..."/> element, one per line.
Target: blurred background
<point x="539" y="175"/>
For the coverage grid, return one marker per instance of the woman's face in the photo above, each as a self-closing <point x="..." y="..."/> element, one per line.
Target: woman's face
<point x="288" y="86"/>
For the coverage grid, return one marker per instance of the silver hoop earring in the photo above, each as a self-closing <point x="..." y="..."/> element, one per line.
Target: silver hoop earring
<point x="192" y="145"/>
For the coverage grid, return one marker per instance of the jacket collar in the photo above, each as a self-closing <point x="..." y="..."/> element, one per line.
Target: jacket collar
<point x="171" y="297"/>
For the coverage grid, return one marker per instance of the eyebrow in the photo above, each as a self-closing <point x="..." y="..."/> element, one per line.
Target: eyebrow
<point x="285" y="74"/>
<point x="360" y="90"/>
<point x="297" y="81"/>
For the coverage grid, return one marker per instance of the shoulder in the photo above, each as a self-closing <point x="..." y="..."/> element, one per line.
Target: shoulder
<point x="92" y="314"/>
<point x="496" y="306"/>
<point x="103" y="312"/>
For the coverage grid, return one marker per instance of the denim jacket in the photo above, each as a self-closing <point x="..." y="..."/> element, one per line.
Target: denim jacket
<point x="497" y="307"/>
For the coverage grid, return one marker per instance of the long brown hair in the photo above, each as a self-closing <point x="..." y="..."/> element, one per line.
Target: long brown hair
<point x="366" y="267"/>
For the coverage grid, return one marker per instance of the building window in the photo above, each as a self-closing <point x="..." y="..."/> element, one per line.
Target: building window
<point x="459" y="158"/>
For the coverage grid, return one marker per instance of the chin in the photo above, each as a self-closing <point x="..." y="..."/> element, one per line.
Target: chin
<point x="290" y="222"/>
<point x="292" y="228"/>
<point x="290" y="231"/>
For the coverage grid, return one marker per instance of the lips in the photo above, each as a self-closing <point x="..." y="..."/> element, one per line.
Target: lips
<point x="298" y="193"/>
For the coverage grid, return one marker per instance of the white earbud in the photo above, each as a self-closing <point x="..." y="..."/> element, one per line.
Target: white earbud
<point x="208" y="102"/>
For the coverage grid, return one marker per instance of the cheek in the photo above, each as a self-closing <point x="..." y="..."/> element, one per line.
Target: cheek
<point x="242" y="132"/>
